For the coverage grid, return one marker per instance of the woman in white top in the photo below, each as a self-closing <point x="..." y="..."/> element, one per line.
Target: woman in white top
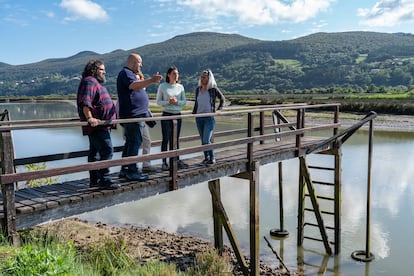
<point x="171" y="96"/>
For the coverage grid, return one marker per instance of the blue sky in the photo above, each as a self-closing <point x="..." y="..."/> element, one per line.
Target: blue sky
<point x="32" y="31"/>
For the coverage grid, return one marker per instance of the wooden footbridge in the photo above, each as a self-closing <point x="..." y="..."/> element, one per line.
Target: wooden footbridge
<point x="267" y="137"/>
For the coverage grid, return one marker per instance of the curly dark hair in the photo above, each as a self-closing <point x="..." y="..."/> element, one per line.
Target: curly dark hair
<point x="91" y="68"/>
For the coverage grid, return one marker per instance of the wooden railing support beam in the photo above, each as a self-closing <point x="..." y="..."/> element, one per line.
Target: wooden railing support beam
<point x="173" y="160"/>
<point x="214" y="186"/>
<point x="221" y="215"/>
<point x="8" y="189"/>
<point x="254" y="219"/>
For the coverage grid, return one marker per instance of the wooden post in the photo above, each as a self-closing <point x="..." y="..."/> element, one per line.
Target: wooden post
<point x="338" y="196"/>
<point x="253" y="169"/>
<point x="254" y="219"/>
<point x="218" y="225"/>
<point x="262" y="124"/>
<point x="281" y="232"/>
<point x="250" y="129"/>
<point x="173" y="160"/>
<point x="9" y="200"/>
<point x="336" y="119"/>
<point x="299" y="125"/>
<point x="221" y="215"/>
<point x="301" y="203"/>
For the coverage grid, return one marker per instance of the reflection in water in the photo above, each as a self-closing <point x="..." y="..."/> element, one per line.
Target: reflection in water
<point x="25" y="111"/>
<point x="189" y="210"/>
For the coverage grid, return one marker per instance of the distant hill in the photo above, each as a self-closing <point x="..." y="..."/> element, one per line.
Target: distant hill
<point x="321" y="62"/>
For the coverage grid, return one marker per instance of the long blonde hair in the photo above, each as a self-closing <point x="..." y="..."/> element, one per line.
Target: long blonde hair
<point x="211" y="80"/>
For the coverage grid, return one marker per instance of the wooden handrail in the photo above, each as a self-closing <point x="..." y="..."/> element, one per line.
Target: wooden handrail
<point x="71" y="122"/>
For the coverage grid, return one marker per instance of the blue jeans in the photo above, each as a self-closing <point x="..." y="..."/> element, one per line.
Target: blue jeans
<point x="100" y="148"/>
<point x="166" y="128"/>
<point x="133" y="141"/>
<point x="205" y="126"/>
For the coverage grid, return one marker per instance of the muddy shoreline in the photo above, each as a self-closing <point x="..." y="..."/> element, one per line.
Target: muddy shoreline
<point x="144" y="244"/>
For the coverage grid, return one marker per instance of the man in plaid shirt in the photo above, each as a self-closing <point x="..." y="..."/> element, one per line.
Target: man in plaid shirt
<point x="95" y="105"/>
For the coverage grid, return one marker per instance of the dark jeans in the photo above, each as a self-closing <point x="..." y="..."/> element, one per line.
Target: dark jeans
<point x="205" y="127"/>
<point x="133" y="141"/>
<point x="166" y="129"/>
<point x="100" y="148"/>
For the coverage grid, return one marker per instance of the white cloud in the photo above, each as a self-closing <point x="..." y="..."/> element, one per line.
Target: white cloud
<point x="388" y="13"/>
<point x="259" y="12"/>
<point x="84" y="9"/>
<point x="49" y="14"/>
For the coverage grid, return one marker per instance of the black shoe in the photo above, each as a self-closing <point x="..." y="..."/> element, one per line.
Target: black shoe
<point x="211" y="162"/>
<point x="182" y="165"/>
<point x="123" y="173"/>
<point x="151" y="169"/>
<point x="108" y="184"/>
<point x="137" y="176"/>
<point x="93" y="184"/>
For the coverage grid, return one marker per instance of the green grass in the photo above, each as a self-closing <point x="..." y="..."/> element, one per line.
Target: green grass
<point x="387" y="96"/>
<point x="361" y="58"/>
<point x="44" y="254"/>
<point x="158" y="109"/>
<point x="40" y="258"/>
<point x="290" y="62"/>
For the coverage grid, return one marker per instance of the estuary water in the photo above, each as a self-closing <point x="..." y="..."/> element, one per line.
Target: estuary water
<point x="188" y="211"/>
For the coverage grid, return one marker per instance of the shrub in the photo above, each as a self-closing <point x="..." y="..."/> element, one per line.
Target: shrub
<point x="110" y="257"/>
<point x="211" y="263"/>
<point x="56" y="259"/>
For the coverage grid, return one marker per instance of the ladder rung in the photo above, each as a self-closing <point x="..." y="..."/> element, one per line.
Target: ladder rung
<point x="323" y="183"/>
<point x="323" y="212"/>
<point x="315" y="225"/>
<point x="322" y="197"/>
<point x="310" y="224"/>
<point x="311" y="238"/>
<point x="321" y="168"/>
<point x="316" y="239"/>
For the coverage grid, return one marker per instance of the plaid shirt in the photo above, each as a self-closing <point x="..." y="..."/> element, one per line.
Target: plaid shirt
<point x="95" y="96"/>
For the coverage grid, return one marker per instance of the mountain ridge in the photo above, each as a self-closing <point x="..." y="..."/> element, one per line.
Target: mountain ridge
<point x="348" y="60"/>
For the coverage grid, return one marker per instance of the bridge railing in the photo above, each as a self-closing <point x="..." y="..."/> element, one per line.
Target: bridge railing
<point x="258" y="124"/>
<point x="260" y="127"/>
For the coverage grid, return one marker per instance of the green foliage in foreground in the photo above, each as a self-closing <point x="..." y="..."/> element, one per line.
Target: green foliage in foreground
<point x="35" y="259"/>
<point x="42" y="254"/>
<point x="42" y="181"/>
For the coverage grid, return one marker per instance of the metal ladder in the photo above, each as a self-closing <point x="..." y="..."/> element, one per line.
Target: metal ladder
<point x="320" y="201"/>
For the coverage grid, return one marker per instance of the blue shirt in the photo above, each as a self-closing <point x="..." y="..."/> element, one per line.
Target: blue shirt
<point x="132" y="103"/>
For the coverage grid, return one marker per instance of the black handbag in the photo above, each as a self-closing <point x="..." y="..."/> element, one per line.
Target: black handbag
<point x="151" y="124"/>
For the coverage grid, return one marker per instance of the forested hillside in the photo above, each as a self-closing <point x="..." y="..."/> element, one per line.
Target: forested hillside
<point x="348" y="62"/>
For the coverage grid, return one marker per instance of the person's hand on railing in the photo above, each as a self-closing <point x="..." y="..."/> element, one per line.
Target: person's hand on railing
<point x="93" y="121"/>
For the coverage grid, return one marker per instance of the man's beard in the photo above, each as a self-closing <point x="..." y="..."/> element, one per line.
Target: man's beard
<point x="101" y="79"/>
